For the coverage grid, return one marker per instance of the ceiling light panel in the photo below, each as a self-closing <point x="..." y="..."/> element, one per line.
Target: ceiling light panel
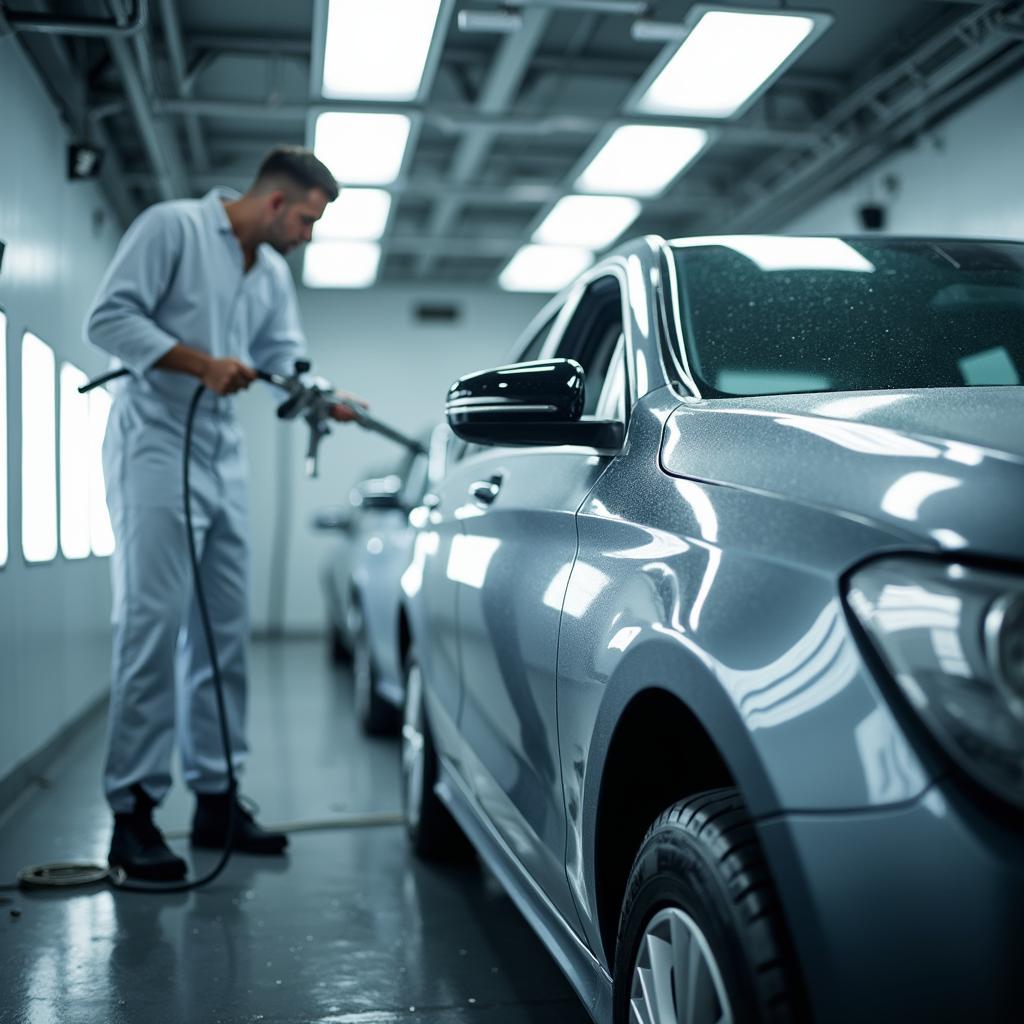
<point x="377" y="49"/>
<point x="362" y="149"/>
<point x="544" y="268"/>
<point x="591" y="222"/>
<point x="641" y="160"/>
<point x="727" y="59"/>
<point x="357" y="213"/>
<point x="340" y="264"/>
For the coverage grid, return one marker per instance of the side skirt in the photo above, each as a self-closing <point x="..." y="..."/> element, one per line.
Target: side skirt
<point x="584" y="972"/>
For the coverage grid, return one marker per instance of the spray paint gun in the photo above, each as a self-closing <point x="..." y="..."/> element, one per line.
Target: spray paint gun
<point x="313" y="399"/>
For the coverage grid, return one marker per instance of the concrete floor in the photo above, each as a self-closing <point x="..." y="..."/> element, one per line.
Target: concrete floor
<point x="347" y="928"/>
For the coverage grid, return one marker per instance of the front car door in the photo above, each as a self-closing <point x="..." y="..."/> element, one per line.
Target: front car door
<point x="517" y="509"/>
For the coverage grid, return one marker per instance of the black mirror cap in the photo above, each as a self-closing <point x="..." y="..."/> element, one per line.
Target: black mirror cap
<point x="546" y="390"/>
<point x="538" y="403"/>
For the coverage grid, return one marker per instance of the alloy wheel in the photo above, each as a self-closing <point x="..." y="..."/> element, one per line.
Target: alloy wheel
<point x="676" y="979"/>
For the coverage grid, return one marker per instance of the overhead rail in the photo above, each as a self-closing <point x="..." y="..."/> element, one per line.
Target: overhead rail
<point x="892" y="106"/>
<point x="60" y="25"/>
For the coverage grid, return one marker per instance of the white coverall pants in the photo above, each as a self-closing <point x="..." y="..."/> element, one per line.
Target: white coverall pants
<point x="161" y="668"/>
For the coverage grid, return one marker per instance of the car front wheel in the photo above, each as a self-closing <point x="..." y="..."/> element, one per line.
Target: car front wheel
<point x="701" y="936"/>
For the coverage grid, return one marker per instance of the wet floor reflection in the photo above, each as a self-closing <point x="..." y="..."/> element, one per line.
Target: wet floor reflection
<point x="346" y="928"/>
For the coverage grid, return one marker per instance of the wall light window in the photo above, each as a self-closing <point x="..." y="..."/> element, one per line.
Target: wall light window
<point x="38" y="451"/>
<point x="101" y="536"/>
<point x="75" y="444"/>
<point x="3" y="438"/>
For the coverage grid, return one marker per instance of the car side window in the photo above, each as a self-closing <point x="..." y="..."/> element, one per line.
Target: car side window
<point x="612" y="403"/>
<point x="533" y="349"/>
<point x="592" y="336"/>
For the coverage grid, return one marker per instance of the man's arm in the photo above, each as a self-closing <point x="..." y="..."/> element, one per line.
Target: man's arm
<point x="121" y="318"/>
<point x="224" y="376"/>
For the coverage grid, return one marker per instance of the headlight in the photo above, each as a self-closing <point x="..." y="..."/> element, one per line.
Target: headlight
<point x="953" y="639"/>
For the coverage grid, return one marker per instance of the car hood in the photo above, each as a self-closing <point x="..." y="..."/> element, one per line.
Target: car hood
<point x="942" y="464"/>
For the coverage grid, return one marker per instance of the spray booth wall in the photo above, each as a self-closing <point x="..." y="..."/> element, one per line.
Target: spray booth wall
<point x="54" y="615"/>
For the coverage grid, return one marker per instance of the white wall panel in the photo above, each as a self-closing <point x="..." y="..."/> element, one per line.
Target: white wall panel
<point x="54" y="617"/>
<point x="964" y="178"/>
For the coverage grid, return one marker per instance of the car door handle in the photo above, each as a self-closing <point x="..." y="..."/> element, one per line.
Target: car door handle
<point x="485" y="491"/>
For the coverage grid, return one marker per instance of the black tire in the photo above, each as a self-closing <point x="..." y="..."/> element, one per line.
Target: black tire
<point x="433" y="833"/>
<point x="375" y="715"/>
<point x="700" y="870"/>
<point x="337" y="648"/>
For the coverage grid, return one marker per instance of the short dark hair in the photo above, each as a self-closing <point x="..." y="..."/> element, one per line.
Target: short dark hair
<point x="299" y="166"/>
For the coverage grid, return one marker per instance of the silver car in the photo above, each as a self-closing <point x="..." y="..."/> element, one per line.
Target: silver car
<point x="715" y="631"/>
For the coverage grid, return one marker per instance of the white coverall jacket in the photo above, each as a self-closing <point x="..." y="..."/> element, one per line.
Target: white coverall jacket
<point x="178" y="277"/>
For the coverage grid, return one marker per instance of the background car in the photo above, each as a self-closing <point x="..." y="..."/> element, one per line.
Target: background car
<point x="376" y="497"/>
<point x="715" y="631"/>
<point x="379" y="556"/>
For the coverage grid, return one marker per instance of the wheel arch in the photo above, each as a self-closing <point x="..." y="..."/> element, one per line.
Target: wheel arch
<point x="665" y="732"/>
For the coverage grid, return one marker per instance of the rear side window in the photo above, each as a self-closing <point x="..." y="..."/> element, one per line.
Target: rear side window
<point x="533" y="349"/>
<point x="591" y="336"/>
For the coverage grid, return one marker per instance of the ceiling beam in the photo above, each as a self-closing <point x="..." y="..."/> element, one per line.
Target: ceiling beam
<point x="183" y="86"/>
<point x="476" y="122"/>
<point x="512" y="194"/>
<point x="497" y="94"/>
<point x="879" y="116"/>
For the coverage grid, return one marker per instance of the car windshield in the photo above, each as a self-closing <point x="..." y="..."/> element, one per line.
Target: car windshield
<point x="772" y="315"/>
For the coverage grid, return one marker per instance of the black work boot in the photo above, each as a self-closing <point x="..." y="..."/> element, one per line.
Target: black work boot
<point x="210" y="826"/>
<point x="138" y="847"/>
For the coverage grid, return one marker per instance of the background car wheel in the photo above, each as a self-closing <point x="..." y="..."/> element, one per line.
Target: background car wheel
<point x="376" y="716"/>
<point x="337" y="647"/>
<point x="701" y="936"/>
<point x="433" y="832"/>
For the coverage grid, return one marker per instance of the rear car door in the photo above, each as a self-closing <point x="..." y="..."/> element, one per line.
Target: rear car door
<point x="511" y="563"/>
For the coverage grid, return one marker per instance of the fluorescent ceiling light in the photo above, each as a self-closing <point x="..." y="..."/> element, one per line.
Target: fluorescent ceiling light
<point x="340" y="264"/>
<point x="724" y="62"/>
<point x="377" y="49"/>
<point x="357" y="213"/>
<point x="772" y="252"/>
<point x="592" y="222"/>
<point x="362" y="149"/>
<point x="641" y="160"/>
<point x="544" y="268"/>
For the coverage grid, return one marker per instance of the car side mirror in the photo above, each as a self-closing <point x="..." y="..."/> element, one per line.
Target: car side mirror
<point x="382" y="492"/>
<point x="334" y="519"/>
<point x="536" y="403"/>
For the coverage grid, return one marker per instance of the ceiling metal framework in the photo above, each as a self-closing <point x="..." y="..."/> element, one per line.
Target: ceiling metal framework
<point x="182" y="95"/>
